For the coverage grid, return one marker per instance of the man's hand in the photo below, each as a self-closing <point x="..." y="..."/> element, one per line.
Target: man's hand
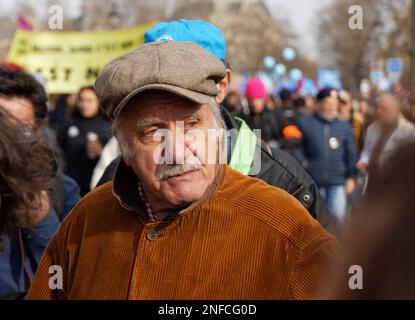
<point x="349" y="185"/>
<point x="362" y="166"/>
<point x="94" y="148"/>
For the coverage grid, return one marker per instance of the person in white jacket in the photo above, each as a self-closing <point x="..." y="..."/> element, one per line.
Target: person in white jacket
<point x="110" y="152"/>
<point x="386" y="134"/>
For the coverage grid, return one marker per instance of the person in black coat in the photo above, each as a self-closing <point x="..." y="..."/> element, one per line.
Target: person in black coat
<point x="83" y="136"/>
<point x="276" y="131"/>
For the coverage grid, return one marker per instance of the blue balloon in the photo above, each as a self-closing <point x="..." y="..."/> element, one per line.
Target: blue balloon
<point x="266" y="79"/>
<point x="385" y="85"/>
<point x="269" y="62"/>
<point x="296" y="74"/>
<point x="280" y="70"/>
<point x="288" y="54"/>
<point x="308" y="88"/>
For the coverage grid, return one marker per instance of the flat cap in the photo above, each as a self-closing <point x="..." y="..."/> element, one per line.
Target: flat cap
<point x="183" y="68"/>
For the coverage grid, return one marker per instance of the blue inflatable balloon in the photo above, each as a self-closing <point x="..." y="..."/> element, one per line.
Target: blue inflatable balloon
<point x="280" y="70"/>
<point x="266" y="79"/>
<point x="296" y="74"/>
<point x="269" y="62"/>
<point x="288" y="54"/>
<point x="385" y="85"/>
<point x="308" y="88"/>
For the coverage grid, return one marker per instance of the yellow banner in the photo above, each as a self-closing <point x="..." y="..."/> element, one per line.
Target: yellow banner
<point x="71" y="60"/>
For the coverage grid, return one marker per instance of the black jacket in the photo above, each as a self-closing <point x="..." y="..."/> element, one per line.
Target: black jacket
<point x="278" y="169"/>
<point x="271" y="124"/>
<point x="72" y="139"/>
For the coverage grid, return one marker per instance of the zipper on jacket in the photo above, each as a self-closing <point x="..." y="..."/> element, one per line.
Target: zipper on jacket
<point x="301" y="187"/>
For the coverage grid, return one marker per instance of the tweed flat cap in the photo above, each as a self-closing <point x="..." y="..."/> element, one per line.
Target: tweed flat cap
<point x="183" y="68"/>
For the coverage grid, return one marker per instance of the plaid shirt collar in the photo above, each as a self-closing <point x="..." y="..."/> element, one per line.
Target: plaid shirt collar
<point x="148" y="210"/>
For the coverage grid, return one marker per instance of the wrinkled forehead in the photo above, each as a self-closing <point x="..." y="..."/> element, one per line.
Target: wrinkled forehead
<point x="160" y="105"/>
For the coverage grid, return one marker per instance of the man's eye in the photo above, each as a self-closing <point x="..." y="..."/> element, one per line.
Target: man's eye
<point x="191" y="124"/>
<point x="150" y="132"/>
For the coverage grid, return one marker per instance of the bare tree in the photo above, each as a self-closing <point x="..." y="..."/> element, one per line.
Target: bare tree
<point x="110" y="14"/>
<point x="355" y="52"/>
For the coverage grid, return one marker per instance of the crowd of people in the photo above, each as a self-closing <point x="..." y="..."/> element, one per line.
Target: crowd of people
<point x="190" y="229"/>
<point x="333" y="135"/>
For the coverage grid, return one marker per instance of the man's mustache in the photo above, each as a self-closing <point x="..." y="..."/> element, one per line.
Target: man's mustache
<point x="166" y="171"/>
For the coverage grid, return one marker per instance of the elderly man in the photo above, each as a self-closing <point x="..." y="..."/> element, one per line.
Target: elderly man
<point x="190" y="229"/>
<point x="385" y="135"/>
<point x="277" y="167"/>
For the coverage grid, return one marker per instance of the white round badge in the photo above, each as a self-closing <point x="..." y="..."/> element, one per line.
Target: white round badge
<point x="333" y="143"/>
<point x="73" y="131"/>
<point x="164" y="38"/>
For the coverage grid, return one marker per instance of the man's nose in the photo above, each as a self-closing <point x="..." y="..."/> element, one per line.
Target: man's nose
<point x="177" y="143"/>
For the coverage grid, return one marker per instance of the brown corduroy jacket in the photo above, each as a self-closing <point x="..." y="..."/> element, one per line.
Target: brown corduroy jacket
<point x="247" y="240"/>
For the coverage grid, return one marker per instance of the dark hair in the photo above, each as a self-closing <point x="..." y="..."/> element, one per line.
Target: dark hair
<point x="23" y="85"/>
<point x="285" y="94"/>
<point x="77" y="113"/>
<point x="299" y="102"/>
<point x="26" y="167"/>
<point x="324" y="93"/>
<point x="92" y="88"/>
<point x="381" y="236"/>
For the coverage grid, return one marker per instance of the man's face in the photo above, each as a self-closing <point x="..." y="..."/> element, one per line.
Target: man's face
<point x="388" y="110"/>
<point x="232" y="99"/>
<point x="156" y="125"/>
<point x="329" y="107"/>
<point x="345" y="106"/>
<point x="21" y="109"/>
<point x="309" y="102"/>
<point x="256" y="105"/>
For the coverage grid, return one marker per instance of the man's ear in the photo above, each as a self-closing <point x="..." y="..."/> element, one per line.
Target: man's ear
<point x="224" y="86"/>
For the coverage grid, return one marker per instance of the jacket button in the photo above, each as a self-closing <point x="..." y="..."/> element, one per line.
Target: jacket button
<point x="306" y="198"/>
<point x="152" y="234"/>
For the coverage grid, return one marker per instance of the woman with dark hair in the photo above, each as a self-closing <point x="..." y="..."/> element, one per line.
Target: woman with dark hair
<point x="377" y="260"/>
<point x="27" y="220"/>
<point x="26" y="166"/>
<point x="83" y="136"/>
<point x="23" y="97"/>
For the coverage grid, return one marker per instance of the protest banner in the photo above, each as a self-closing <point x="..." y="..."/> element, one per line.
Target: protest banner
<point x="70" y="60"/>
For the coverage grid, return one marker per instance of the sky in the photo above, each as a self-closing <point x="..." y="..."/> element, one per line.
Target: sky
<point x="302" y="15"/>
